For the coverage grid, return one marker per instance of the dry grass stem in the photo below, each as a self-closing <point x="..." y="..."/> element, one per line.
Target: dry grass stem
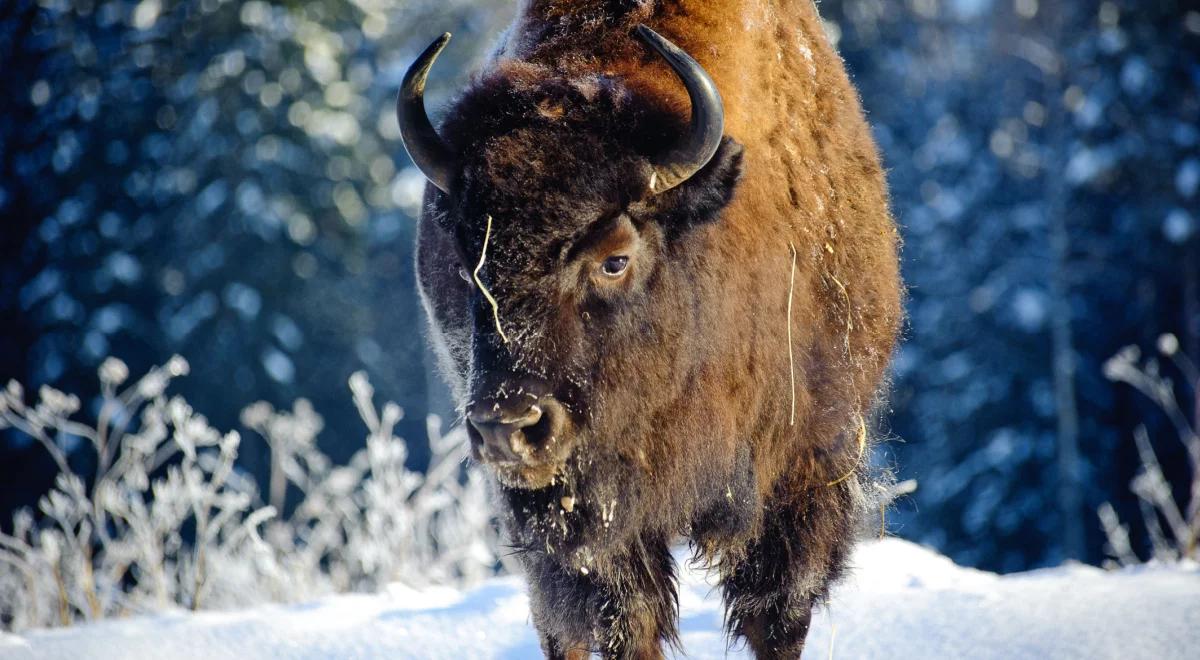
<point x="479" y="283"/>
<point x="791" y="356"/>
<point x="849" y="320"/>
<point x="862" y="449"/>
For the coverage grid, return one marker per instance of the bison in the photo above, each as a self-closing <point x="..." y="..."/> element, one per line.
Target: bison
<point x="662" y="280"/>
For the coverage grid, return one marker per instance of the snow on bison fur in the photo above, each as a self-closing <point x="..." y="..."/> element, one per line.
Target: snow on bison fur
<point x="665" y="290"/>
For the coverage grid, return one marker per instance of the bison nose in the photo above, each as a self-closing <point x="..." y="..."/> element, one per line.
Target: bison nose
<point x="507" y="435"/>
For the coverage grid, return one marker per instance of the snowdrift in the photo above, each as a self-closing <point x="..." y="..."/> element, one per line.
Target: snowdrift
<point x="902" y="601"/>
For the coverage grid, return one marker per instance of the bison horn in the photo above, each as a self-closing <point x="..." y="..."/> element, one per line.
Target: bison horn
<point x="708" y="116"/>
<point x="425" y="147"/>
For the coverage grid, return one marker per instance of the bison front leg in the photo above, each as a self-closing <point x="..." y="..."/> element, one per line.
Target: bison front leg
<point x="622" y="608"/>
<point x="770" y="592"/>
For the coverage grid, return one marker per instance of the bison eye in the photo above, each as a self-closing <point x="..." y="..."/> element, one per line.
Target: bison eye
<point x="615" y="266"/>
<point x="462" y="272"/>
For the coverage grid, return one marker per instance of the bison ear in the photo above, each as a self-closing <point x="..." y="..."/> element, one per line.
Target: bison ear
<point x="701" y="198"/>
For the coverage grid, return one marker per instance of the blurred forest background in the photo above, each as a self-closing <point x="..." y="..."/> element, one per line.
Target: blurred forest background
<point x="224" y="180"/>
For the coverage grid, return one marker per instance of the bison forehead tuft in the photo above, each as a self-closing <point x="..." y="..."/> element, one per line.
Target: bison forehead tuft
<point x="523" y="96"/>
<point x="543" y="188"/>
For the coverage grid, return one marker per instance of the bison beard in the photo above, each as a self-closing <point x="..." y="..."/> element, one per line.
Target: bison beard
<point x="668" y="367"/>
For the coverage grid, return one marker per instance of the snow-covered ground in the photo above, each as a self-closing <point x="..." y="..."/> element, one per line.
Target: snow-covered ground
<point x="903" y="601"/>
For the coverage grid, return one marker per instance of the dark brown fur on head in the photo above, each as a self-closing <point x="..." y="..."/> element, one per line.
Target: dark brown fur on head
<point x="671" y="385"/>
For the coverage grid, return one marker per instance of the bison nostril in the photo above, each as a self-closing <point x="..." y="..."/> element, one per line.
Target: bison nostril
<point x="539" y="432"/>
<point x="509" y="437"/>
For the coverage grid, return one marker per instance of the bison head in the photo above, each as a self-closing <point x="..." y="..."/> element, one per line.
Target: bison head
<point x="559" y="255"/>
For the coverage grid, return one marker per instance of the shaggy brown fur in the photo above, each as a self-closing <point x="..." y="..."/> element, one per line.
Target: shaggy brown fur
<point x="672" y="383"/>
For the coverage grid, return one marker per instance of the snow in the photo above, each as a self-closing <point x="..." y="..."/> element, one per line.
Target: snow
<point x="902" y="601"/>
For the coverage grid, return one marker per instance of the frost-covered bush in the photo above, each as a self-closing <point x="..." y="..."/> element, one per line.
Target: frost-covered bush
<point x="168" y="520"/>
<point x="1179" y="539"/>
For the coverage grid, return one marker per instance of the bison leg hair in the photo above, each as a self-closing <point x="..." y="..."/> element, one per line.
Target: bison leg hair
<point x="557" y="650"/>
<point x="770" y="592"/>
<point x="624" y="607"/>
